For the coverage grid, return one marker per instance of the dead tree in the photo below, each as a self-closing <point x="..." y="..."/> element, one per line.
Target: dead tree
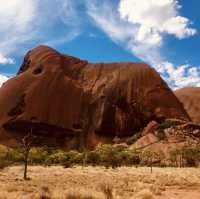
<point x="27" y="143"/>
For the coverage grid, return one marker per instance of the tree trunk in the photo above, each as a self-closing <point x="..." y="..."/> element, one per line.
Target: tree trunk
<point x="26" y="164"/>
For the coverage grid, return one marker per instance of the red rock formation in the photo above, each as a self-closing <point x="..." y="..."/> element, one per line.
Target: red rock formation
<point x="75" y="103"/>
<point x="190" y="97"/>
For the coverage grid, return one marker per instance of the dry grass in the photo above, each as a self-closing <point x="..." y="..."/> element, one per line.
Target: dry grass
<point x="94" y="182"/>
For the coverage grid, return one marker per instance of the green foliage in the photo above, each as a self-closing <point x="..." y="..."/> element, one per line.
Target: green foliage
<point x="93" y="158"/>
<point x="104" y="155"/>
<point x="185" y="156"/>
<point x="4" y="163"/>
<point x="115" y="156"/>
<point x="152" y="158"/>
<point x="15" y="155"/>
<point x="108" y="155"/>
<point x="3" y="159"/>
<point x="72" y="158"/>
<point x="167" y="124"/>
<point x="38" y="155"/>
<point x="191" y="156"/>
<point x="57" y="157"/>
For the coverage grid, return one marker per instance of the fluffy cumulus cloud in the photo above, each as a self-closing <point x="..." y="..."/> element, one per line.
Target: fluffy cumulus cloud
<point x="155" y="18"/>
<point x="141" y="26"/>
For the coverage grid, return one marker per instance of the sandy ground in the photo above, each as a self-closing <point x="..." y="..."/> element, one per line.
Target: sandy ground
<point x="125" y="182"/>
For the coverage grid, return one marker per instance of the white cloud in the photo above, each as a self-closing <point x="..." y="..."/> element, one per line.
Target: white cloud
<point x="16" y="19"/>
<point x="26" y="23"/>
<point x="107" y="18"/>
<point x="17" y="13"/>
<point x="178" y="26"/>
<point x="122" y="32"/>
<point x="180" y="76"/>
<point x="141" y="26"/>
<point x="155" y="17"/>
<point x="3" y="79"/>
<point x="5" y="60"/>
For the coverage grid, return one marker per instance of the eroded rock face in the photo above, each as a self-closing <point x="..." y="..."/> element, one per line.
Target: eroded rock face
<point x="190" y="97"/>
<point x="75" y="103"/>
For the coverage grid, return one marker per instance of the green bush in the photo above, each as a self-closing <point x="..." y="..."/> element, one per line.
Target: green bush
<point x="57" y="157"/>
<point x="150" y="158"/>
<point x="93" y="158"/>
<point x="4" y="163"/>
<point x="104" y="155"/>
<point x="74" y="157"/>
<point x="185" y="156"/>
<point x="114" y="156"/>
<point x="38" y="155"/>
<point x="191" y="156"/>
<point x="134" y="158"/>
<point x="15" y="155"/>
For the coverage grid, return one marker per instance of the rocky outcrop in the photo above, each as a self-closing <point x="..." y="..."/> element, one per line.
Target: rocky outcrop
<point x="73" y="103"/>
<point x="150" y="128"/>
<point x="169" y="135"/>
<point x="190" y="97"/>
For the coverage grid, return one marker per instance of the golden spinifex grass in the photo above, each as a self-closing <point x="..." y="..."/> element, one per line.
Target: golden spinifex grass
<point x="56" y="182"/>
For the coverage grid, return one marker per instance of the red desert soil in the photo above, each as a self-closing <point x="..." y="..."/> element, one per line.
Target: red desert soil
<point x="190" y="97"/>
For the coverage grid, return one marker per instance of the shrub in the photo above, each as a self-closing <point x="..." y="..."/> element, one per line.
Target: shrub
<point x="93" y="158"/>
<point x="15" y="155"/>
<point x="76" y="157"/>
<point x="174" y="157"/>
<point x="134" y="158"/>
<point x="72" y="158"/>
<point x="4" y="160"/>
<point x="4" y="163"/>
<point x="191" y="156"/>
<point x="108" y="155"/>
<point x="151" y="158"/>
<point x="113" y="156"/>
<point x="38" y="155"/>
<point x="58" y="157"/>
<point x="186" y="156"/>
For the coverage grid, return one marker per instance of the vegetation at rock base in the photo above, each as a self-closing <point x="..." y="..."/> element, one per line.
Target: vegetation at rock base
<point x="104" y="155"/>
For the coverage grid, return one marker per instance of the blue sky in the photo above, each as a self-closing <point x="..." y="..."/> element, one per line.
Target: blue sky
<point x="162" y="33"/>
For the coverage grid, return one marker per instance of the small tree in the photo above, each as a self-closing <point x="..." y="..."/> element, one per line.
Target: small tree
<point x="149" y="158"/>
<point x="27" y="143"/>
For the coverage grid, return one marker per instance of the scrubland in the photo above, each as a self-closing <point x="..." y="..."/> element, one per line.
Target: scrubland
<point x="56" y="182"/>
<point x="108" y="172"/>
